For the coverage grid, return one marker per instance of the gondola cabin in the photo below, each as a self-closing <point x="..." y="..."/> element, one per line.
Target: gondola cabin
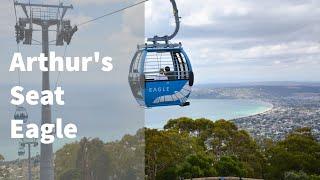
<point x="161" y="75"/>
<point x="21" y="114"/>
<point x="21" y="151"/>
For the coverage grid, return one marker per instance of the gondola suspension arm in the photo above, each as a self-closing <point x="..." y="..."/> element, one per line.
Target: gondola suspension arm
<point x="167" y="38"/>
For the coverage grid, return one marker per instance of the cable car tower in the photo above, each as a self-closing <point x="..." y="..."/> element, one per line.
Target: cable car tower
<point x="45" y="16"/>
<point x="21" y="151"/>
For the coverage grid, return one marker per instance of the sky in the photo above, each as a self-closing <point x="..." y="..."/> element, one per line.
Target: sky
<point x="95" y="100"/>
<point x="245" y="40"/>
<point x="226" y="40"/>
<point x="115" y="36"/>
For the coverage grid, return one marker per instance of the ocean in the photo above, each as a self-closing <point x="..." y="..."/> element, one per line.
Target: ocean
<point x="91" y="122"/>
<point x="213" y="109"/>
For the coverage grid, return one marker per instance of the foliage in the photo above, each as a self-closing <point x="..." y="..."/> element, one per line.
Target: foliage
<point x="4" y="172"/>
<point x="93" y="159"/>
<point x="230" y="166"/>
<point x="222" y="138"/>
<point x="292" y="175"/>
<point x="164" y="149"/>
<point x="233" y="152"/>
<point x="314" y="177"/>
<point x="198" y="165"/>
<point x="70" y="174"/>
<point x="299" y="152"/>
<point x="200" y="128"/>
<point x="67" y="154"/>
<point x="127" y="156"/>
<point x="188" y="148"/>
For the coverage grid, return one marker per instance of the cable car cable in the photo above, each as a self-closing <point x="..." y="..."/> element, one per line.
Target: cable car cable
<point x="95" y="19"/>
<point x="113" y="12"/>
<point x="59" y="73"/>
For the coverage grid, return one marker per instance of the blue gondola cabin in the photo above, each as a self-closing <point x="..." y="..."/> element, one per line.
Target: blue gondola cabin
<point x="161" y="75"/>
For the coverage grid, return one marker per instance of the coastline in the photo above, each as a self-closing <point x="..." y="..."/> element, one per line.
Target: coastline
<point x="269" y="109"/>
<point x="213" y="109"/>
<point x="272" y="106"/>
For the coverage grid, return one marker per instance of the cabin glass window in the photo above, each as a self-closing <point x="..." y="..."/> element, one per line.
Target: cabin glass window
<point x="136" y="62"/>
<point x="155" y="62"/>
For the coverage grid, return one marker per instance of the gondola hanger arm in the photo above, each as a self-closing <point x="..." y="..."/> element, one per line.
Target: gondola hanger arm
<point x="167" y="38"/>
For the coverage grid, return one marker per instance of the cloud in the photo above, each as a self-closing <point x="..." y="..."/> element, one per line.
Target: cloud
<point x="131" y="28"/>
<point x="214" y="33"/>
<point x="277" y="62"/>
<point x="256" y="40"/>
<point x="236" y="18"/>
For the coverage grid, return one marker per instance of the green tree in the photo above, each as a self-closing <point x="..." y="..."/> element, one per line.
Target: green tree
<point x="70" y="174"/>
<point x="296" y="176"/>
<point x="191" y="148"/>
<point x="4" y="171"/>
<point x="223" y="138"/>
<point x="199" y="127"/>
<point x="227" y="140"/>
<point x="230" y="166"/>
<point x="198" y="165"/>
<point x="165" y="149"/>
<point x="182" y="124"/>
<point x="93" y="160"/>
<point x="127" y="156"/>
<point x="298" y="152"/>
<point x="66" y="154"/>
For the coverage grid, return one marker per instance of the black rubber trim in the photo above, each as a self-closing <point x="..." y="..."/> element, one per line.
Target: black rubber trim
<point x="191" y="78"/>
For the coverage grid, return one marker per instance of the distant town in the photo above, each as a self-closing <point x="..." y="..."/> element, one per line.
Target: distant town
<point x="295" y="105"/>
